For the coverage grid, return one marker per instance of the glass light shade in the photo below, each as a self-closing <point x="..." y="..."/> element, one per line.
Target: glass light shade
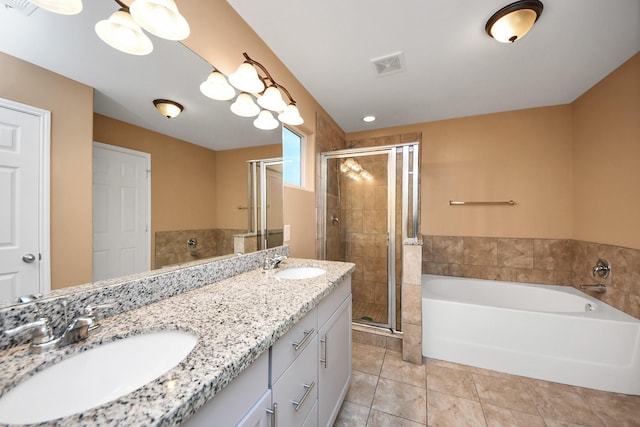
<point x="291" y="116"/>
<point x="169" y="109"/>
<point x="161" y="18"/>
<point x="63" y="7"/>
<point x="513" y="26"/>
<point x="271" y="99"/>
<point x="246" y="79"/>
<point x="265" y="121"/>
<point x="216" y="87"/>
<point x="513" y="21"/>
<point x="122" y="33"/>
<point x="244" y="106"/>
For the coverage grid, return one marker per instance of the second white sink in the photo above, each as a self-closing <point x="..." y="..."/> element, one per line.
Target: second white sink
<point x="299" y="273"/>
<point x="95" y="377"/>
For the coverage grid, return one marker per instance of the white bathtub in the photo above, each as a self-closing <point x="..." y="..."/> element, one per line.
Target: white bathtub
<point x="553" y="333"/>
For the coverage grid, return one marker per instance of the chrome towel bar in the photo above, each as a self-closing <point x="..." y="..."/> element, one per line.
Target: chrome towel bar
<point x="506" y="203"/>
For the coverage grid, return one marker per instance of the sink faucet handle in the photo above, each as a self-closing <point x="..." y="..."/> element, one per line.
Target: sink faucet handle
<point x="42" y="332"/>
<point x="89" y="312"/>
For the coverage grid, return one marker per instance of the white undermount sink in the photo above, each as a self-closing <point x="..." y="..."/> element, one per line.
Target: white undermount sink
<point x="95" y="377"/>
<point x="299" y="273"/>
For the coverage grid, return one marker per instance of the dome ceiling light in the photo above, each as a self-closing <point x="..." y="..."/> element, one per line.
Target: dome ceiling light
<point x="168" y="108"/>
<point x="513" y="21"/>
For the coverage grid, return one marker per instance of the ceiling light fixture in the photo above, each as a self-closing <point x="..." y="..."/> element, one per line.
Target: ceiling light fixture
<point x="167" y="108"/>
<point x="513" y="21"/>
<point x="161" y="18"/>
<point x="122" y="33"/>
<point x="123" y="29"/>
<point x="248" y="79"/>
<point x="369" y="119"/>
<point x="63" y="7"/>
<point x="216" y="87"/>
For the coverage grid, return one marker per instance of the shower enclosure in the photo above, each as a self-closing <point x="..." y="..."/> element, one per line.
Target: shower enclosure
<point x="265" y="189"/>
<point x="371" y="202"/>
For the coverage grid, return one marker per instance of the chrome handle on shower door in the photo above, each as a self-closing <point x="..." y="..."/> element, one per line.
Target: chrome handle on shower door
<point x="29" y="258"/>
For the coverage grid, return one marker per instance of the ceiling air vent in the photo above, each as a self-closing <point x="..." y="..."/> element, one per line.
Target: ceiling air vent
<point x="389" y="64"/>
<point x="22" y="6"/>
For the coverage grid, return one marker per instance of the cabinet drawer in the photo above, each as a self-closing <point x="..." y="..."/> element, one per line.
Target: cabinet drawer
<point x="285" y="350"/>
<point x="330" y="304"/>
<point x="296" y="391"/>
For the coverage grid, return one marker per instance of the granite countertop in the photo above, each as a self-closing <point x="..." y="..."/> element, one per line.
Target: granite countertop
<point x="235" y="320"/>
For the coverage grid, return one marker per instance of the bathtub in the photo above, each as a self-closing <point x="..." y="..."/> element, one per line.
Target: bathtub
<point x="553" y="333"/>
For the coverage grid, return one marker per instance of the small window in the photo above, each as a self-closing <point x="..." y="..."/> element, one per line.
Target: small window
<point x="293" y="154"/>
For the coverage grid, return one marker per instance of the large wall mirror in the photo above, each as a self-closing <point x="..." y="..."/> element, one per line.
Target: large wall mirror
<point x="96" y="94"/>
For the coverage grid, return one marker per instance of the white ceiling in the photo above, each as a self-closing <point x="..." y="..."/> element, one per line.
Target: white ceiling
<point x="453" y="68"/>
<point x="125" y="85"/>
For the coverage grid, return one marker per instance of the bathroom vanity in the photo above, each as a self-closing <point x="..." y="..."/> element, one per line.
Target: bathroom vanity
<point x="270" y="350"/>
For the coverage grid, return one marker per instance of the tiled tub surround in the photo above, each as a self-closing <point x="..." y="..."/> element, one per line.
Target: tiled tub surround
<point x="172" y="248"/>
<point x="235" y="320"/>
<point x="128" y="292"/>
<point x="544" y="261"/>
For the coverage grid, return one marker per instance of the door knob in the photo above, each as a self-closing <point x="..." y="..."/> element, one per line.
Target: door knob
<point x="29" y="258"/>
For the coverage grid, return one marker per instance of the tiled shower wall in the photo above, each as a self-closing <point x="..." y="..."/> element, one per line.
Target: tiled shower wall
<point x="172" y="248"/>
<point x="544" y="261"/>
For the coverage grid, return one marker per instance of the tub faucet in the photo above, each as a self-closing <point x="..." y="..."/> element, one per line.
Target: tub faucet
<point x="271" y="263"/>
<point x="594" y="288"/>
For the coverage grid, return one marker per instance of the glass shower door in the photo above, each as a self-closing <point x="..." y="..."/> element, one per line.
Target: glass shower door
<point x="358" y="219"/>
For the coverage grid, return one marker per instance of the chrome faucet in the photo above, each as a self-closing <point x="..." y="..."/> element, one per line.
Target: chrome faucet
<point x="594" y="288"/>
<point x="43" y="338"/>
<point x="602" y="269"/>
<point x="271" y="263"/>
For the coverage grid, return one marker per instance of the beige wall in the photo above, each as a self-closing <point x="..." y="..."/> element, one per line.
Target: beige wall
<point x="521" y="155"/>
<point x="231" y="172"/>
<point x="606" y="156"/>
<point x="572" y="169"/>
<point x="71" y="106"/>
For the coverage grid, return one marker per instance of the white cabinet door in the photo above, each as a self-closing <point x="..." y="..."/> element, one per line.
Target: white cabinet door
<point x="335" y="363"/>
<point x="259" y="416"/>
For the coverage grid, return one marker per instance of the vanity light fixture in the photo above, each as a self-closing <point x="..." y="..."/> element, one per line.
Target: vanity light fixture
<point x="167" y="108"/>
<point x="63" y="7"/>
<point x="161" y="18"/>
<point x="265" y="121"/>
<point x="216" y="87"/>
<point x="513" y="21"/>
<point x="267" y="91"/>
<point x="244" y="106"/>
<point x="121" y="32"/>
<point x="123" y="29"/>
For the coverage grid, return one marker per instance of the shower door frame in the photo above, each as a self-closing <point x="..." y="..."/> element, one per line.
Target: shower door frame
<point x="257" y="203"/>
<point x="410" y="225"/>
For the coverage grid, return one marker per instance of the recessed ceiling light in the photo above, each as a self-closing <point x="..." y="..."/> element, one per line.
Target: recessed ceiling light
<point x="369" y="118"/>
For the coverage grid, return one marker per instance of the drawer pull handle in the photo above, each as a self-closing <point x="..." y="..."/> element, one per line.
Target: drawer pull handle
<point x="308" y="387"/>
<point x="274" y="414"/>
<point x="325" y="360"/>
<point x="307" y="335"/>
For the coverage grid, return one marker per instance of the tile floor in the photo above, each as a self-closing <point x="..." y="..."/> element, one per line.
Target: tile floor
<point x="385" y="391"/>
<point x="376" y="313"/>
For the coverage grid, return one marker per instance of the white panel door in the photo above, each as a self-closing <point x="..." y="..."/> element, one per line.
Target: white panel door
<point x="121" y="243"/>
<point x="22" y="140"/>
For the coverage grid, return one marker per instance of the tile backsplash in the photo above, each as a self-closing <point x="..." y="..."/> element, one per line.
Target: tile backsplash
<point x="172" y="247"/>
<point x="545" y="261"/>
